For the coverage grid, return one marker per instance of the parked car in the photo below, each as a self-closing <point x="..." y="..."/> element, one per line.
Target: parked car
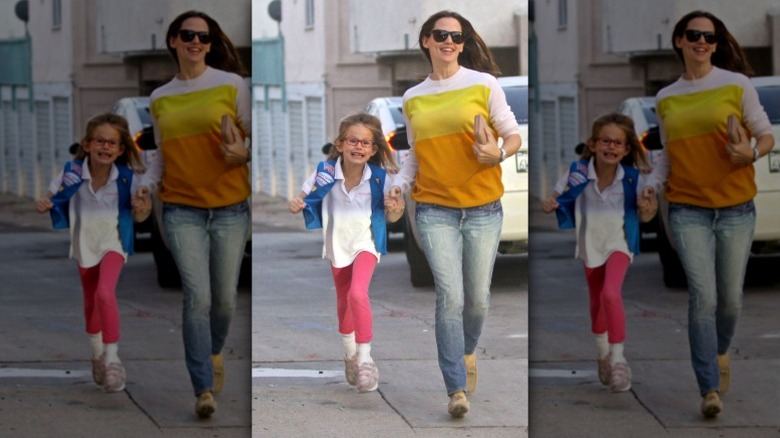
<point x="514" y="232"/>
<point x="766" y="240"/>
<point x="139" y="121"/>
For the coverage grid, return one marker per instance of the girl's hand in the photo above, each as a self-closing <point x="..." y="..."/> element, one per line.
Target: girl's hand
<point x="43" y="205"/>
<point x="550" y="204"/>
<point x="297" y="205"/>
<point x="485" y="146"/>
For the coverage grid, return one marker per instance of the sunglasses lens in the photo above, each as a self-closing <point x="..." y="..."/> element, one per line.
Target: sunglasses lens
<point x="440" y="36"/>
<point x="189" y="35"/>
<point x="694" y="35"/>
<point x="186" y="35"/>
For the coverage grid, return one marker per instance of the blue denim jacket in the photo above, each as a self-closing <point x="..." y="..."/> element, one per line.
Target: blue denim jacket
<point x="71" y="181"/>
<point x="578" y="179"/>
<point x="324" y="180"/>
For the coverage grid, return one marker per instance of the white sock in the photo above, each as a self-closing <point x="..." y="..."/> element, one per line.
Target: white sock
<point x="350" y="347"/>
<point x="112" y="351"/>
<point x="364" y="353"/>
<point x="96" y="341"/>
<point x="602" y="344"/>
<point x="617" y="353"/>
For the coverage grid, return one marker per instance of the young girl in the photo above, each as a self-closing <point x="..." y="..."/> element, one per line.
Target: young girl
<point x="600" y="194"/>
<point x="345" y="197"/>
<point x="92" y="196"/>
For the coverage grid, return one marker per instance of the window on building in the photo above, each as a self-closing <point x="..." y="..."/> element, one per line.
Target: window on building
<point x="309" y="13"/>
<point x="562" y="14"/>
<point x="56" y="14"/>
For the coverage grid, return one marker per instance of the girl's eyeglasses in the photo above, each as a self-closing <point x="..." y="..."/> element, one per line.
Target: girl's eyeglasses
<point x="187" y="36"/>
<point x="693" y="36"/>
<point x="606" y="141"/>
<point x="100" y="141"/>
<point x="440" y="36"/>
<point x="352" y="141"/>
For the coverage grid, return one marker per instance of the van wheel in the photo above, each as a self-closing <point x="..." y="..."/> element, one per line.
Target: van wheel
<point x="167" y="272"/>
<point x="421" y="274"/>
<point x="674" y="275"/>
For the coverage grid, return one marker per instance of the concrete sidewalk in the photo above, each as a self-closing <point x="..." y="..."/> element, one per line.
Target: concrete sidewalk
<point x="46" y="386"/>
<point x="298" y="372"/>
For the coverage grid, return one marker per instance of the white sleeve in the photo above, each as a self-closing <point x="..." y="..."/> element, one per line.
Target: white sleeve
<point x="501" y="116"/>
<point x="406" y="176"/>
<point x="55" y="184"/>
<point x="753" y="114"/>
<point x="309" y="183"/>
<point x="151" y="178"/>
<point x="560" y="185"/>
<point x="244" y="108"/>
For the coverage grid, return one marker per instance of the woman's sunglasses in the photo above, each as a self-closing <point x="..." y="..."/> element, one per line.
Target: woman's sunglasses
<point x="440" y="36"/>
<point x="693" y="36"/>
<point x="187" y="36"/>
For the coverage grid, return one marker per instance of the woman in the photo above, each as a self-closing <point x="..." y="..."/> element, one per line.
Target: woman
<point x="457" y="186"/>
<point x="710" y="187"/>
<point x="204" y="190"/>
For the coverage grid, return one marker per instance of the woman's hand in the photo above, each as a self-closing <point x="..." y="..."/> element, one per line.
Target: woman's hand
<point x="233" y="148"/>
<point x="485" y="146"/>
<point x="738" y="148"/>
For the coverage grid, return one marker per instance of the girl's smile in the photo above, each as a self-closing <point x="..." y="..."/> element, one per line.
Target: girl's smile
<point x="105" y="146"/>
<point x="357" y="146"/>
<point x="611" y="146"/>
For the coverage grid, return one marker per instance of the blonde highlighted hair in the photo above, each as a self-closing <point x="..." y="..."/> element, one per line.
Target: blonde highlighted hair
<point x="383" y="157"/>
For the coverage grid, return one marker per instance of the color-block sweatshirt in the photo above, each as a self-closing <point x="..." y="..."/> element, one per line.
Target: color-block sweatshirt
<point x="187" y="118"/>
<point x="692" y="118"/>
<point x="440" y="128"/>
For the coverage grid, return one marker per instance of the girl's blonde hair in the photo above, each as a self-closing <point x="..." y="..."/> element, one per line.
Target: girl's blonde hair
<point x="129" y="156"/>
<point x="383" y="157"/>
<point x="636" y="153"/>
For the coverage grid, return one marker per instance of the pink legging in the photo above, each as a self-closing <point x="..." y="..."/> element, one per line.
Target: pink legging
<point x="99" y="284"/>
<point x="352" y="304"/>
<point x="605" y="285"/>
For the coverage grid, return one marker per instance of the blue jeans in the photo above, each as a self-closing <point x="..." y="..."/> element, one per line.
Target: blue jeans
<point x="208" y="247"/>
<point x="460" y="245"/>
<point x="713" y="245"/>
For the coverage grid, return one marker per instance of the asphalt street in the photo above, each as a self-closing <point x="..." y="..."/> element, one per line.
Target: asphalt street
<point x="567" y="399"/>
<point x="298" y="385"/>
<point x="46" y="386"/>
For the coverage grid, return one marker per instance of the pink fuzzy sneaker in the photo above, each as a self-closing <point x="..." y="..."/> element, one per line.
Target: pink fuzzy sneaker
<point x="98" y="370"/>
<point x="115" y="377"/>
<point x="351" y="369"/>
<point x="604" y="370"/>
<point x="368" y="377"/>
<point x="620" y="377"/>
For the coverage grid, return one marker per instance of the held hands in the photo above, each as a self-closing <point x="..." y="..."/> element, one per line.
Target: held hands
<point x="233" y="143"/>
<point x="738" y="148"/>
<point x="141" y="201"/>
<point x="394" y="204"/>
<point x="44" y="205"/>
<point x="485" y="146"/>
<point x="647" y="204"/>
